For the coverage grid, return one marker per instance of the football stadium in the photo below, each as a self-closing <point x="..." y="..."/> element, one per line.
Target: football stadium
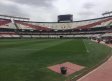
<point x="28" y="48"/>
<point x="65" y="50"/>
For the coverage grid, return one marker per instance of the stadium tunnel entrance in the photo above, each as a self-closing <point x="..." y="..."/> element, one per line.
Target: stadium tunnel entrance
<point x="61" y="37"/>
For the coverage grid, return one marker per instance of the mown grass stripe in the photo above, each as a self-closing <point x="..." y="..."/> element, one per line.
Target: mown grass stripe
<point x="31" y="65"/>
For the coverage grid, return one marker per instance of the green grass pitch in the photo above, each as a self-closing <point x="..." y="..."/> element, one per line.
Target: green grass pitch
<point x="28" y="59"/>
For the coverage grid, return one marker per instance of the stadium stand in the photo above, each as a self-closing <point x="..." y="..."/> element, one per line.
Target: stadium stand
<point x="15" y="36"/>
<point x="7" y="36"/>
<point x="26" y="36"/>
<point x="6" y="24"/>
<point x="53" y="36"/>
<point x="7" y="33"/>
<point x="76" y="29"/>
<point x="101" y="22"/>
<point x="29" y="26"/>
<point x="107" y="34"/>
<point x="34" y="36"/>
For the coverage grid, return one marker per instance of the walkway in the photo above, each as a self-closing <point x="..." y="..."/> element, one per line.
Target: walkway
<point x="102" y="73"/>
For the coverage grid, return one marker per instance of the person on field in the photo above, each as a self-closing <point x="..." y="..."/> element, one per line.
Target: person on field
<point x="98" y="40"/>
<point x="111" y="40"/>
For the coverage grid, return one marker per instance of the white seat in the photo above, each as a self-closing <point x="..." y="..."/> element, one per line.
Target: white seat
<point x="26" y="35"/>
<point x="15" y="35"/>
<point x="6" y="35"/>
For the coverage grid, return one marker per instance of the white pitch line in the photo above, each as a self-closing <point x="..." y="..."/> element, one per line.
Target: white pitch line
<point x="85" y="46"/>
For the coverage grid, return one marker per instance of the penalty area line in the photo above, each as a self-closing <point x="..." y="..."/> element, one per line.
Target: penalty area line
<point x="85" y="46"/>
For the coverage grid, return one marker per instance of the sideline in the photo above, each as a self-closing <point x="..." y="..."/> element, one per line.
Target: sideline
<point x="87" y="72"/>
<point x="85" y="46"/>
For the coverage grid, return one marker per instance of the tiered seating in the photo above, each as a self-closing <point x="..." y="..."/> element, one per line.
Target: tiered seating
<point x="8" y="36"/>
<point x="78" y="35"/>
<point x="93" y="25"/>
<point x="95" y="35"/>
<point x="104" y="23"/>
<point x="1" y="36"/>
<point x="101" y="22"/>
<point x="58" y="32"/>
<point x="44" y="33"/>
<point x="88" y="35"/>
<point x="26" y="36"/>
<point x="7" y="33"/>
<point x="82" y="32"/>
<point x="44" y="36"/>
<point x="85" y="24"/>
<point x="69" y="36"/>
<point x="28" y="33"/>
<point x="35" y="36"/>
<point x="80" y="24"/>
<point x="3" y="22"/>
<point x="26" y="25"/>
<point x="7" y="24"/>
<point x="15" y="36"/>
<point x="51" y="32"/>
<point x="53" y="36"/>
<point x="107" y="34"/>
<point x="66" y="32"/>
<point x="22" y="25"/>
<point x="36" y="33"/>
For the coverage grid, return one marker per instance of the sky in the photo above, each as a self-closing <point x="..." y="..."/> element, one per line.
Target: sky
<point x="48" y="10"/>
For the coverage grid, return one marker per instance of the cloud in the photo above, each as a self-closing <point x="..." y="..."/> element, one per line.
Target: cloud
<point x="11" y="9"/>
<point x="38" y="3"/>
<point x="41" y="14"/>
<point x="88" y="5"/>
<point x="87" y="13"/>
<point x="48" y="10"/>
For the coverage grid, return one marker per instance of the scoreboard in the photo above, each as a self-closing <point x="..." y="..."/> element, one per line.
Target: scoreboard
<point x="66" y="18"/>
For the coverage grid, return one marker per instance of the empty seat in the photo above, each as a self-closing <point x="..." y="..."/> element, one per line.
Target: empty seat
<point x="15" y="35"/>
<point x="6" y="35"/>
<point x="26" y="36"/>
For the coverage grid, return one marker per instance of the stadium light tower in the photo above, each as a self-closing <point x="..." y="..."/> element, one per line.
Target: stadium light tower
<point x="107" y="13"/>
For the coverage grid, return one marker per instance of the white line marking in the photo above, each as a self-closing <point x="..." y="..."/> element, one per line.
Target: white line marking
<point x="85" y="46"/>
